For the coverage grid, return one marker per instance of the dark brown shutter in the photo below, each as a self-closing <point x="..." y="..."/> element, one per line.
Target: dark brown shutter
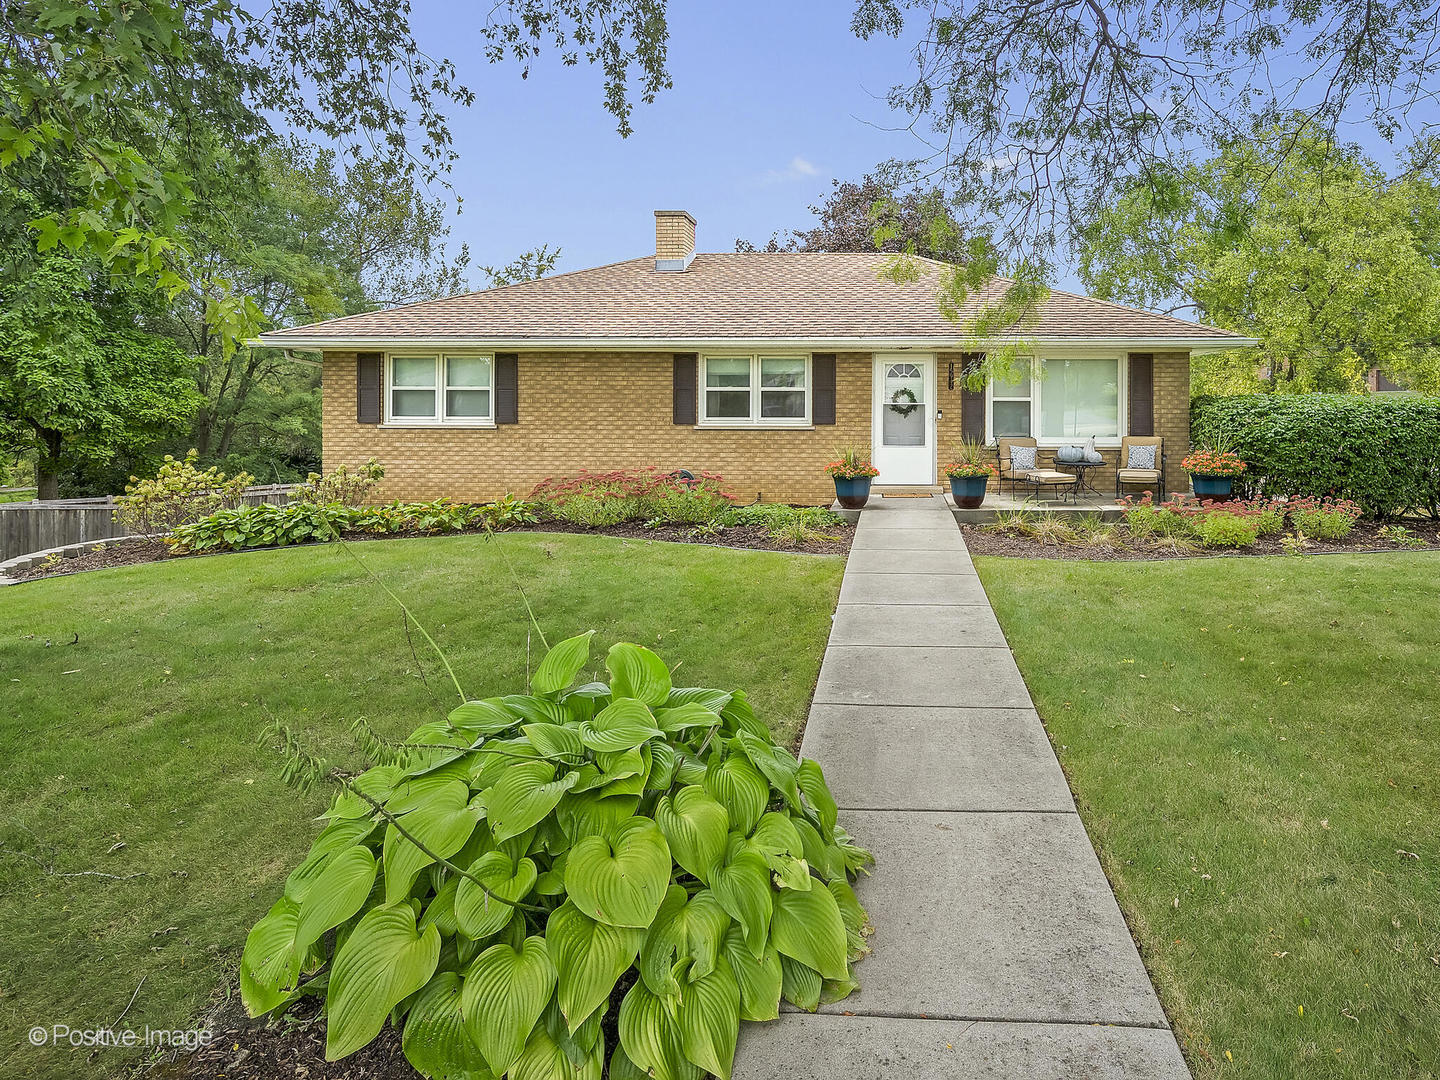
<point x="369" y="368"/>
<point x="822" y="395"/>
<point x="1142" y="394"/>
<point x="972" y="402"/>
<point x="507" y="388"/>
<point x="682" y="399"/>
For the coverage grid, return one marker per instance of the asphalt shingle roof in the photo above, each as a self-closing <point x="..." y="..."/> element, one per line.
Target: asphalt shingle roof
<point x="753" y="295"/>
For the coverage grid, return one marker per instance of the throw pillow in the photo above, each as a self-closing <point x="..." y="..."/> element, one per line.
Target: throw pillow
<point x="1091" y="454"/>
<point x="1022" y="458"/>
<point x="1141" y="457"/>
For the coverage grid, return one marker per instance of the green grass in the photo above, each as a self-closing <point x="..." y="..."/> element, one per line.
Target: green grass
<point x="143" y="732"/>
<point x="1254" y="746"/>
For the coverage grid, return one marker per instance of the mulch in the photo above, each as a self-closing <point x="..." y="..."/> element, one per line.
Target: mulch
<point x="1364" y="538"/>
<point x="745" y="537"/>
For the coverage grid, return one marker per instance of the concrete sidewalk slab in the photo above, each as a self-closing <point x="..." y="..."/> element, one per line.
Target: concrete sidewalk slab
<point x="941" y="538"/>
<point x="912" y="589"/>
<point x="874" y="675"/>
<point x="905" y="519"/>
<point x="916" y="624"/>
<point x="799" y="1047"/>
<point x="1000" y="916"/>
<point x="890" y="561"/>
<point x="881" y="758"/>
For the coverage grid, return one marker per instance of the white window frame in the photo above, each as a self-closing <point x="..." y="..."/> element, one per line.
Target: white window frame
<point x="439" y="419"/>
<point x="755" y="420"/>
<point x="1037" y="391"/>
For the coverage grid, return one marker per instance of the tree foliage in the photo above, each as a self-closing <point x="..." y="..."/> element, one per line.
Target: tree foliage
<point x="1310" y="247"/>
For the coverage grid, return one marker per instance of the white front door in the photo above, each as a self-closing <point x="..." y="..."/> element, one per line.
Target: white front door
<point x="903" y="440"/>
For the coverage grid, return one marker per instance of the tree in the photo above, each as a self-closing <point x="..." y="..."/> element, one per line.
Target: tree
<point x="1032" y="113"/>
<point x="80" y="379"/>
<point x="527" y="266"/>
<point x="1310" y="247"/>
<point x="883" y="211"/>
<point x="121" y="117"/>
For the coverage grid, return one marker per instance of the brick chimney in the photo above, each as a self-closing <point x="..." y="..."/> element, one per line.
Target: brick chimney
<point x="674" y="240"/>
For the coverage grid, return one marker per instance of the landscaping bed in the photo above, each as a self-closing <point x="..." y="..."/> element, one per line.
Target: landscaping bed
<point x="1120" y="547"/>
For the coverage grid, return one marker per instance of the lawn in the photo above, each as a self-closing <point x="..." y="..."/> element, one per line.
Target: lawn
<point x="1254" y="745"/>
<point x="135" y="698"/>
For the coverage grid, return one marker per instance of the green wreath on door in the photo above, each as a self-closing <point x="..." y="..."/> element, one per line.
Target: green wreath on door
<point x="909" y="395"/>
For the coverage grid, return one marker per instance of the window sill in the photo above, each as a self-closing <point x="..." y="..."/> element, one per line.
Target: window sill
<point x="440" y="425"/>
<point x="715" y="425"/>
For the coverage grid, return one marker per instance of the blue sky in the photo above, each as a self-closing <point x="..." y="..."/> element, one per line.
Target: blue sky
<point x="770" y="101"/>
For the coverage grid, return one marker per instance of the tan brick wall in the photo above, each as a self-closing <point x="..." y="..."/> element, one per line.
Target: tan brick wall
<point x="674" y="235"/>
<point x="592" y="411"/>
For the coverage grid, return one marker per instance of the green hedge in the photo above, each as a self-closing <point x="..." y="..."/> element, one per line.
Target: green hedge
<point x="1383" y="452"/>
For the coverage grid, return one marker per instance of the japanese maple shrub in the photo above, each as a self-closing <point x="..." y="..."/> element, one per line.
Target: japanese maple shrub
<point x="490" y="884"/>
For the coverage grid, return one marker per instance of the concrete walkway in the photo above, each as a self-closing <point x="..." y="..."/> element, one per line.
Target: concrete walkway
<point x="999" y="950"/>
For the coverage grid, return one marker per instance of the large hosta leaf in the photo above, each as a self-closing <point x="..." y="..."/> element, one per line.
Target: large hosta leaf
<point x="505" y="993"/>
<point x="760" y="980"/>
<point x="621" y="878"/>
<point x="740" y="788"/>
<point x="638" y="673"/>
<point x="524" y="794"/>
<point x="271" y="962"/>
<point x="504" y="878"/>
<point x="442" y="824"/>
<point x="336" y="895"/>
<point x="436" y="1041"/>
<point x="801" y="985"/>
<point x="561" y="664"/>
<point x="589" y="957"/>
<point x="377" y="783"/>
<point x="686" y="929"/>
<point x="709" y="1020"/>
<point x="651" y="1037"/>
<point x="695" y="826"/>
<point x="588" y="813"/>
<point x="622" y="725"/>
<point x="807" y="927"/>
<point x="742" y="886"/>
<point x="488" y="717"/>
<point x="778" y="842"/>
<point x="680" y="717"/>
<point x="827" y="859"/>
<point x="545" y="1059"/>
<point x="383" y="961"/>
<point x="556" y="742"/>
<point x="811" y="781"/>
<point x="776" y="764"/>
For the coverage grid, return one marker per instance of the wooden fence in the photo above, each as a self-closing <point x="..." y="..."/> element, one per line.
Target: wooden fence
<point x="38" y="526"/>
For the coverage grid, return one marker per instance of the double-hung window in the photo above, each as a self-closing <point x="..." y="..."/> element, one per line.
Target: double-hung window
<point x="440" y="389"/>
<point x="760" y="390"/>
<point x="1059" y="400"/>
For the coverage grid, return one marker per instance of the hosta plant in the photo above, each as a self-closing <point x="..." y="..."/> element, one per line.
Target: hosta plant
<point x="507" y="877"/>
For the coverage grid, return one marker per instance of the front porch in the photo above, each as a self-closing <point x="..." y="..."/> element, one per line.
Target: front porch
<point x="900" y="498"/>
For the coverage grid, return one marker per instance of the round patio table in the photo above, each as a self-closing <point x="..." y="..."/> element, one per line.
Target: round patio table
<point x="1082" y="472"/>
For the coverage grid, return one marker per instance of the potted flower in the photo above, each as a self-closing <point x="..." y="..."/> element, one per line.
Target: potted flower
<point x="852" y="473"/>
<point x="969" y="473"/>
<point x="1213" y="471"/>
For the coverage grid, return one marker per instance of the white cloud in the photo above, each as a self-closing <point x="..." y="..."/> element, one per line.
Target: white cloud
<point x="798" y="169"/>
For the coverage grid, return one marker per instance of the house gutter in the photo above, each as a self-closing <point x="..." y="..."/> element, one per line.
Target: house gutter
<point x="306" y="342"/>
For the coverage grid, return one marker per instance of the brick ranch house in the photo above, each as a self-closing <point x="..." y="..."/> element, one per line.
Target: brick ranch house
<point x="755" y="366"/>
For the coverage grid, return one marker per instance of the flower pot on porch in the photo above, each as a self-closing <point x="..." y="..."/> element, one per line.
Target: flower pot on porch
<point x="852" y="492"/>
<point x="968" y="491"/>
<point x="1212" y="487"/>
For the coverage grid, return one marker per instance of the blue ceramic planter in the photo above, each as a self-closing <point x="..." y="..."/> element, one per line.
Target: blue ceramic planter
<point x="852" y="494"/>
<point x="968" y="491"/>
<point x="1212" y="487"/>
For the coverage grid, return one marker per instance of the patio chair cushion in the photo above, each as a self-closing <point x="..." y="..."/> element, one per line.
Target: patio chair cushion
<point x="1141" y="457"/>
<point x="1139" y="476"/>
<point x="1049" y="476"/>
<point x="1022" y="458"/>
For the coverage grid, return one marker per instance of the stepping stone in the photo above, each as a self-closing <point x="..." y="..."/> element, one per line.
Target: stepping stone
<point x="801" y="1047"/>
<point x="916" y="624"/>
<point x="875" y="675"/>
<point x="886" y="758"/>
<point x="900" y="589"/>
<point x="999" y="916"/>
<point x="879" y="561"/>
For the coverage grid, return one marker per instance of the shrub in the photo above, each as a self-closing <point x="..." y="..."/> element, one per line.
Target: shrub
<point x="1381" y="452"/>
<point x="178" y="494"/>
<point x="1268" y="514"/>
<point x="1401" y="536"/>
<point x="507" y="512"/>
<point x="244" y="527"/>
<point x="599" y="499"/>
<point x="344" y="485"/>
<point x="788" y="525"/>
<point x="1175" y="517"/>
<point x="493" y="883"/>
<point x="1329" y="519"/>
<point x="1222" y="528"/>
